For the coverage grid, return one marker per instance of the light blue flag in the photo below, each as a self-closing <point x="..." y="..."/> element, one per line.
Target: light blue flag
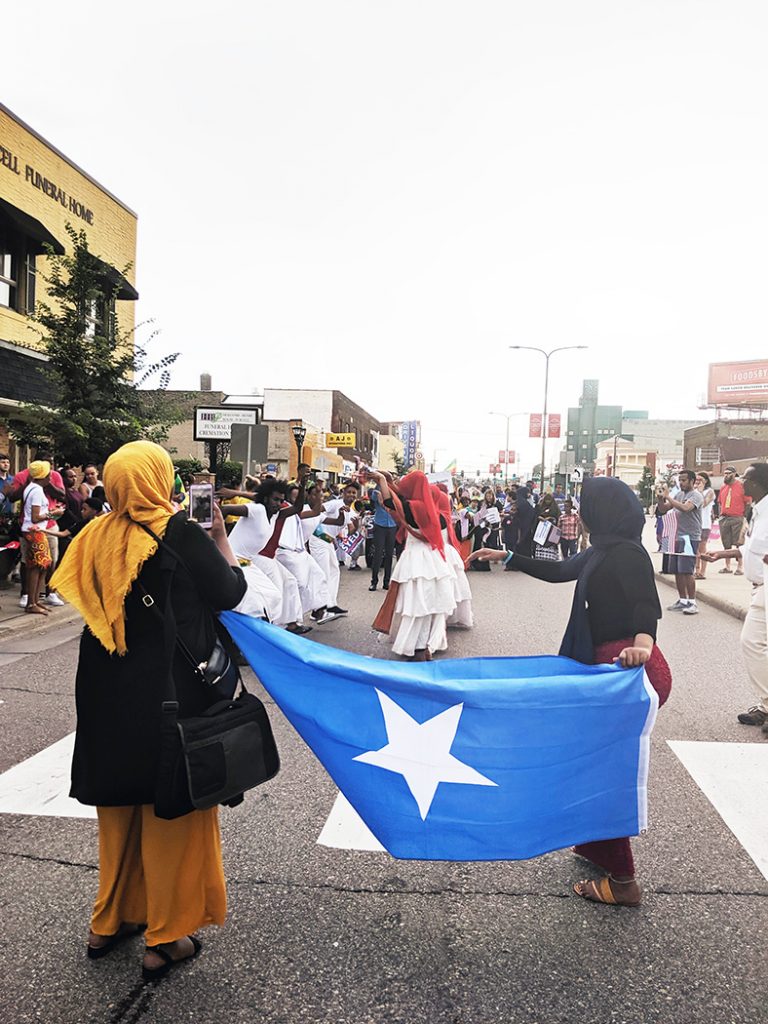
<point x="467" y="759"/>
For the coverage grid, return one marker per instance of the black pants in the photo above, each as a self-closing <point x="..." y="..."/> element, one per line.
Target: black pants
<point x="383" y="550"/>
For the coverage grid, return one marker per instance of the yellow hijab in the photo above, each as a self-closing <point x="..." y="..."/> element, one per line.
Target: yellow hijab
<point x="104" y="559"/>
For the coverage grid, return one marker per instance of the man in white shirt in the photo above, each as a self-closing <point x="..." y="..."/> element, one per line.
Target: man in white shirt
<point x="252" y="533"/>
<point x="754" y="635"/>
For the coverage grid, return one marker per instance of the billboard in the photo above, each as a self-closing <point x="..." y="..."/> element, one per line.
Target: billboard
<point x="553" y="425"/>
<point x="743" y="383"/>
<point x="535" y="427"/>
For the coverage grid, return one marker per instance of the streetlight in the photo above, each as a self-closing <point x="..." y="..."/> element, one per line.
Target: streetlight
<point x="299" y="433"/>
<point x="507" y="417"/>
<point x="533" y="348"/>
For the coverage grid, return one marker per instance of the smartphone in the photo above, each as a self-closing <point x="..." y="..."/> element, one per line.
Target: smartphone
<point x="201" y="504"/>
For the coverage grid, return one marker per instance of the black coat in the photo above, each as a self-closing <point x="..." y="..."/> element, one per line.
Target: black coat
<point x="118" y="697"/>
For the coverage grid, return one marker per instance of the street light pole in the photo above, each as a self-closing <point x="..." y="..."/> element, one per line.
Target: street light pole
<point x="507" y="417"/>
<point x="533" y="348"/>
<point x="299" y="433"/>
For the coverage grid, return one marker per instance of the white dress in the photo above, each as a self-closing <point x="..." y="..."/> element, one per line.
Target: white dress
<point x="425" y="598"/>
<point x="462" y="616"/>
<point x="324" y="553"/>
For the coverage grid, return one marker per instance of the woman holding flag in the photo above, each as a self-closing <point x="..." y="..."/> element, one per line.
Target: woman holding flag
<point x="613" y="619"/>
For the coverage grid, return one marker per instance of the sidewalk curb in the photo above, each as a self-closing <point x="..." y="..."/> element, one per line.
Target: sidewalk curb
<point x="737" y="611"/>
<point x="20" y="625"/>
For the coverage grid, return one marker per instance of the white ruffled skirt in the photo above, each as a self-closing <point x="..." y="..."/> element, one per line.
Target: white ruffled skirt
<point x="425" y="599"/>
<point x="462" y="616"/>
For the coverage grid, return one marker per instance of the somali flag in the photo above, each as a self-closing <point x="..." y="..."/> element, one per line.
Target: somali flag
<point x="467" y="759"/>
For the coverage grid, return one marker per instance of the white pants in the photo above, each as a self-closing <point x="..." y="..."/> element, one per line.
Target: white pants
<point x="754" y="647"/>
<point x="290" y="605"/>
<point x="313" y="589"/>
<point x="325" y="556"/>
<point x="263" y="598"/>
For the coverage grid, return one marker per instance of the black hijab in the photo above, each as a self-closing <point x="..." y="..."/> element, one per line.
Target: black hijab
<point x="613" y="516"/>
<point x="522" y="521"/>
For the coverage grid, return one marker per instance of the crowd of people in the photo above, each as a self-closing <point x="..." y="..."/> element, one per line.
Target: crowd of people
<point x="276" y="549"/>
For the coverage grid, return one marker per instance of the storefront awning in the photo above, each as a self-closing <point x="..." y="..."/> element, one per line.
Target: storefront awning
<point x="124" y="288"/>
<point x="322" y="460"/>
<point x="37" y="234"/>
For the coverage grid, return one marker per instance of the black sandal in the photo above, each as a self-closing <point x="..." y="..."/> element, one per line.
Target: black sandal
<point x="97" y="952"/>
<point x="154" y="973"/>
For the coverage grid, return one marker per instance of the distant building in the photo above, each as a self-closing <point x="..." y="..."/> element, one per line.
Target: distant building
<point x="329" y="412"/>
<point x="587" y="425"/>
<point x="712" y="446"/>
<point x="41" y="191"/>
<point x="592" y="428"/>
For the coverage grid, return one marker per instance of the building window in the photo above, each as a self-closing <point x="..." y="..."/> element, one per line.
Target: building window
<point x="7" y="276"/>
<point x="30" y="283"/>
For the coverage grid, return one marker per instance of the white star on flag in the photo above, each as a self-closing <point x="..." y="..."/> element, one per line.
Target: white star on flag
<point x="421" y="752"/>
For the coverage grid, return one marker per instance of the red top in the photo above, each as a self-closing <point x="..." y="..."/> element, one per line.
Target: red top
<point x="732" y="499"/>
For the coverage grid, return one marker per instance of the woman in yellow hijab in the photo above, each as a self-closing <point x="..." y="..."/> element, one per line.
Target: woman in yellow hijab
<point x="165" y="876"/>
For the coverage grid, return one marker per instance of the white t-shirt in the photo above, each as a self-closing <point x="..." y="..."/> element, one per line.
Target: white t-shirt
<point x="252" y="531"/>
<point x="34" y="495"/>
<point x="706" y="511"/>
<point x="292" y="535"/>
<point x="332" y="509"/>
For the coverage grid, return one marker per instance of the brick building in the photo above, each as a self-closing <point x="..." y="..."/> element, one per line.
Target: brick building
<point x="41" y="191"/>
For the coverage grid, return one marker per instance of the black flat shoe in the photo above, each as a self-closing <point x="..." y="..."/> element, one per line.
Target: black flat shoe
<point x="373" y="586"/>
<point x="97" y="952"/>
<point x="154" y="973"/>
<point x="385" y="586"/>
<point x="300" y="630"/>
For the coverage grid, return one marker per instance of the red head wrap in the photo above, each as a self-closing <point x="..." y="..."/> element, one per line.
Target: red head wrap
<point x="414" y="488"/>
<point x="443" y="505"/>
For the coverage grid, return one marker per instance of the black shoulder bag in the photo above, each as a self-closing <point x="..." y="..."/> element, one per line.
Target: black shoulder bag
<point x="215" y="757"/>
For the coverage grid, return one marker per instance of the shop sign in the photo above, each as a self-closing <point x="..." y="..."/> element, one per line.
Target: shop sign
<point x="215" y="424"/>
<point x="340" y="440"/>
<point x="10" y="161"/>
<point x="409" y="433"/>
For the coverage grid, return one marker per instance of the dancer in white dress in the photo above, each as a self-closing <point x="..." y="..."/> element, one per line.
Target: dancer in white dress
<point x="315" y="522"/>
<point x="293" y="555"/>
<point x="423" y="597"/>
<point x="462" y="616"/>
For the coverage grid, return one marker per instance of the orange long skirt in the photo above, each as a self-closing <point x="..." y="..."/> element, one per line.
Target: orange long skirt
<point x="167" y="874"/>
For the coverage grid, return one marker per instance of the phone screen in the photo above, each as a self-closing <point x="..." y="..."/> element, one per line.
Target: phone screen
<point x="201" y="504"/>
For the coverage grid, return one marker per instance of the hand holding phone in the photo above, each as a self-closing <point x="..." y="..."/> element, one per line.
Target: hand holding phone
<point x="201" y="505"/>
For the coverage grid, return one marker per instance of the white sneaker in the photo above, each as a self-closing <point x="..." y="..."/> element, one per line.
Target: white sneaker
<point x="52" y="599"/>
<point x="678" y="606"/>
<point x="23" y="601"/>
<point x="692" y="609"/>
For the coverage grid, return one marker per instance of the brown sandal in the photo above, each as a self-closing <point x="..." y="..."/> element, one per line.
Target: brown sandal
<point x="602" y="892"/>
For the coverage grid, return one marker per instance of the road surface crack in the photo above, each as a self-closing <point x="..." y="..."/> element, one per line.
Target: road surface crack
<point x="49" y="860"/>
<point x="452" y="891"/>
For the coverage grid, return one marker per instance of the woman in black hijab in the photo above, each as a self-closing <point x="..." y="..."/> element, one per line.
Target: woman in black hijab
<point x="613" y="618"/>
<point x="521" y="527"/>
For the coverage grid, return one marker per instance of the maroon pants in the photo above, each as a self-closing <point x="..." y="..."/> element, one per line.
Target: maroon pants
<point x="615" y="855"/>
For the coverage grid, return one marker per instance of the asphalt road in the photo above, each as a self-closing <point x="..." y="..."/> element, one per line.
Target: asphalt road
<point x="348" y="937"/>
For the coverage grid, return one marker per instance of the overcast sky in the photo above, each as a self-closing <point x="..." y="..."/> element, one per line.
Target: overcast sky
<point x="382" y="197"/>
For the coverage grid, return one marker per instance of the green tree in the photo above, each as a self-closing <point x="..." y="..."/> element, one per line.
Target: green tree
<point x="98" y="372"/>
<point x="645" y="487"/>
<point x="400" y="466"/>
